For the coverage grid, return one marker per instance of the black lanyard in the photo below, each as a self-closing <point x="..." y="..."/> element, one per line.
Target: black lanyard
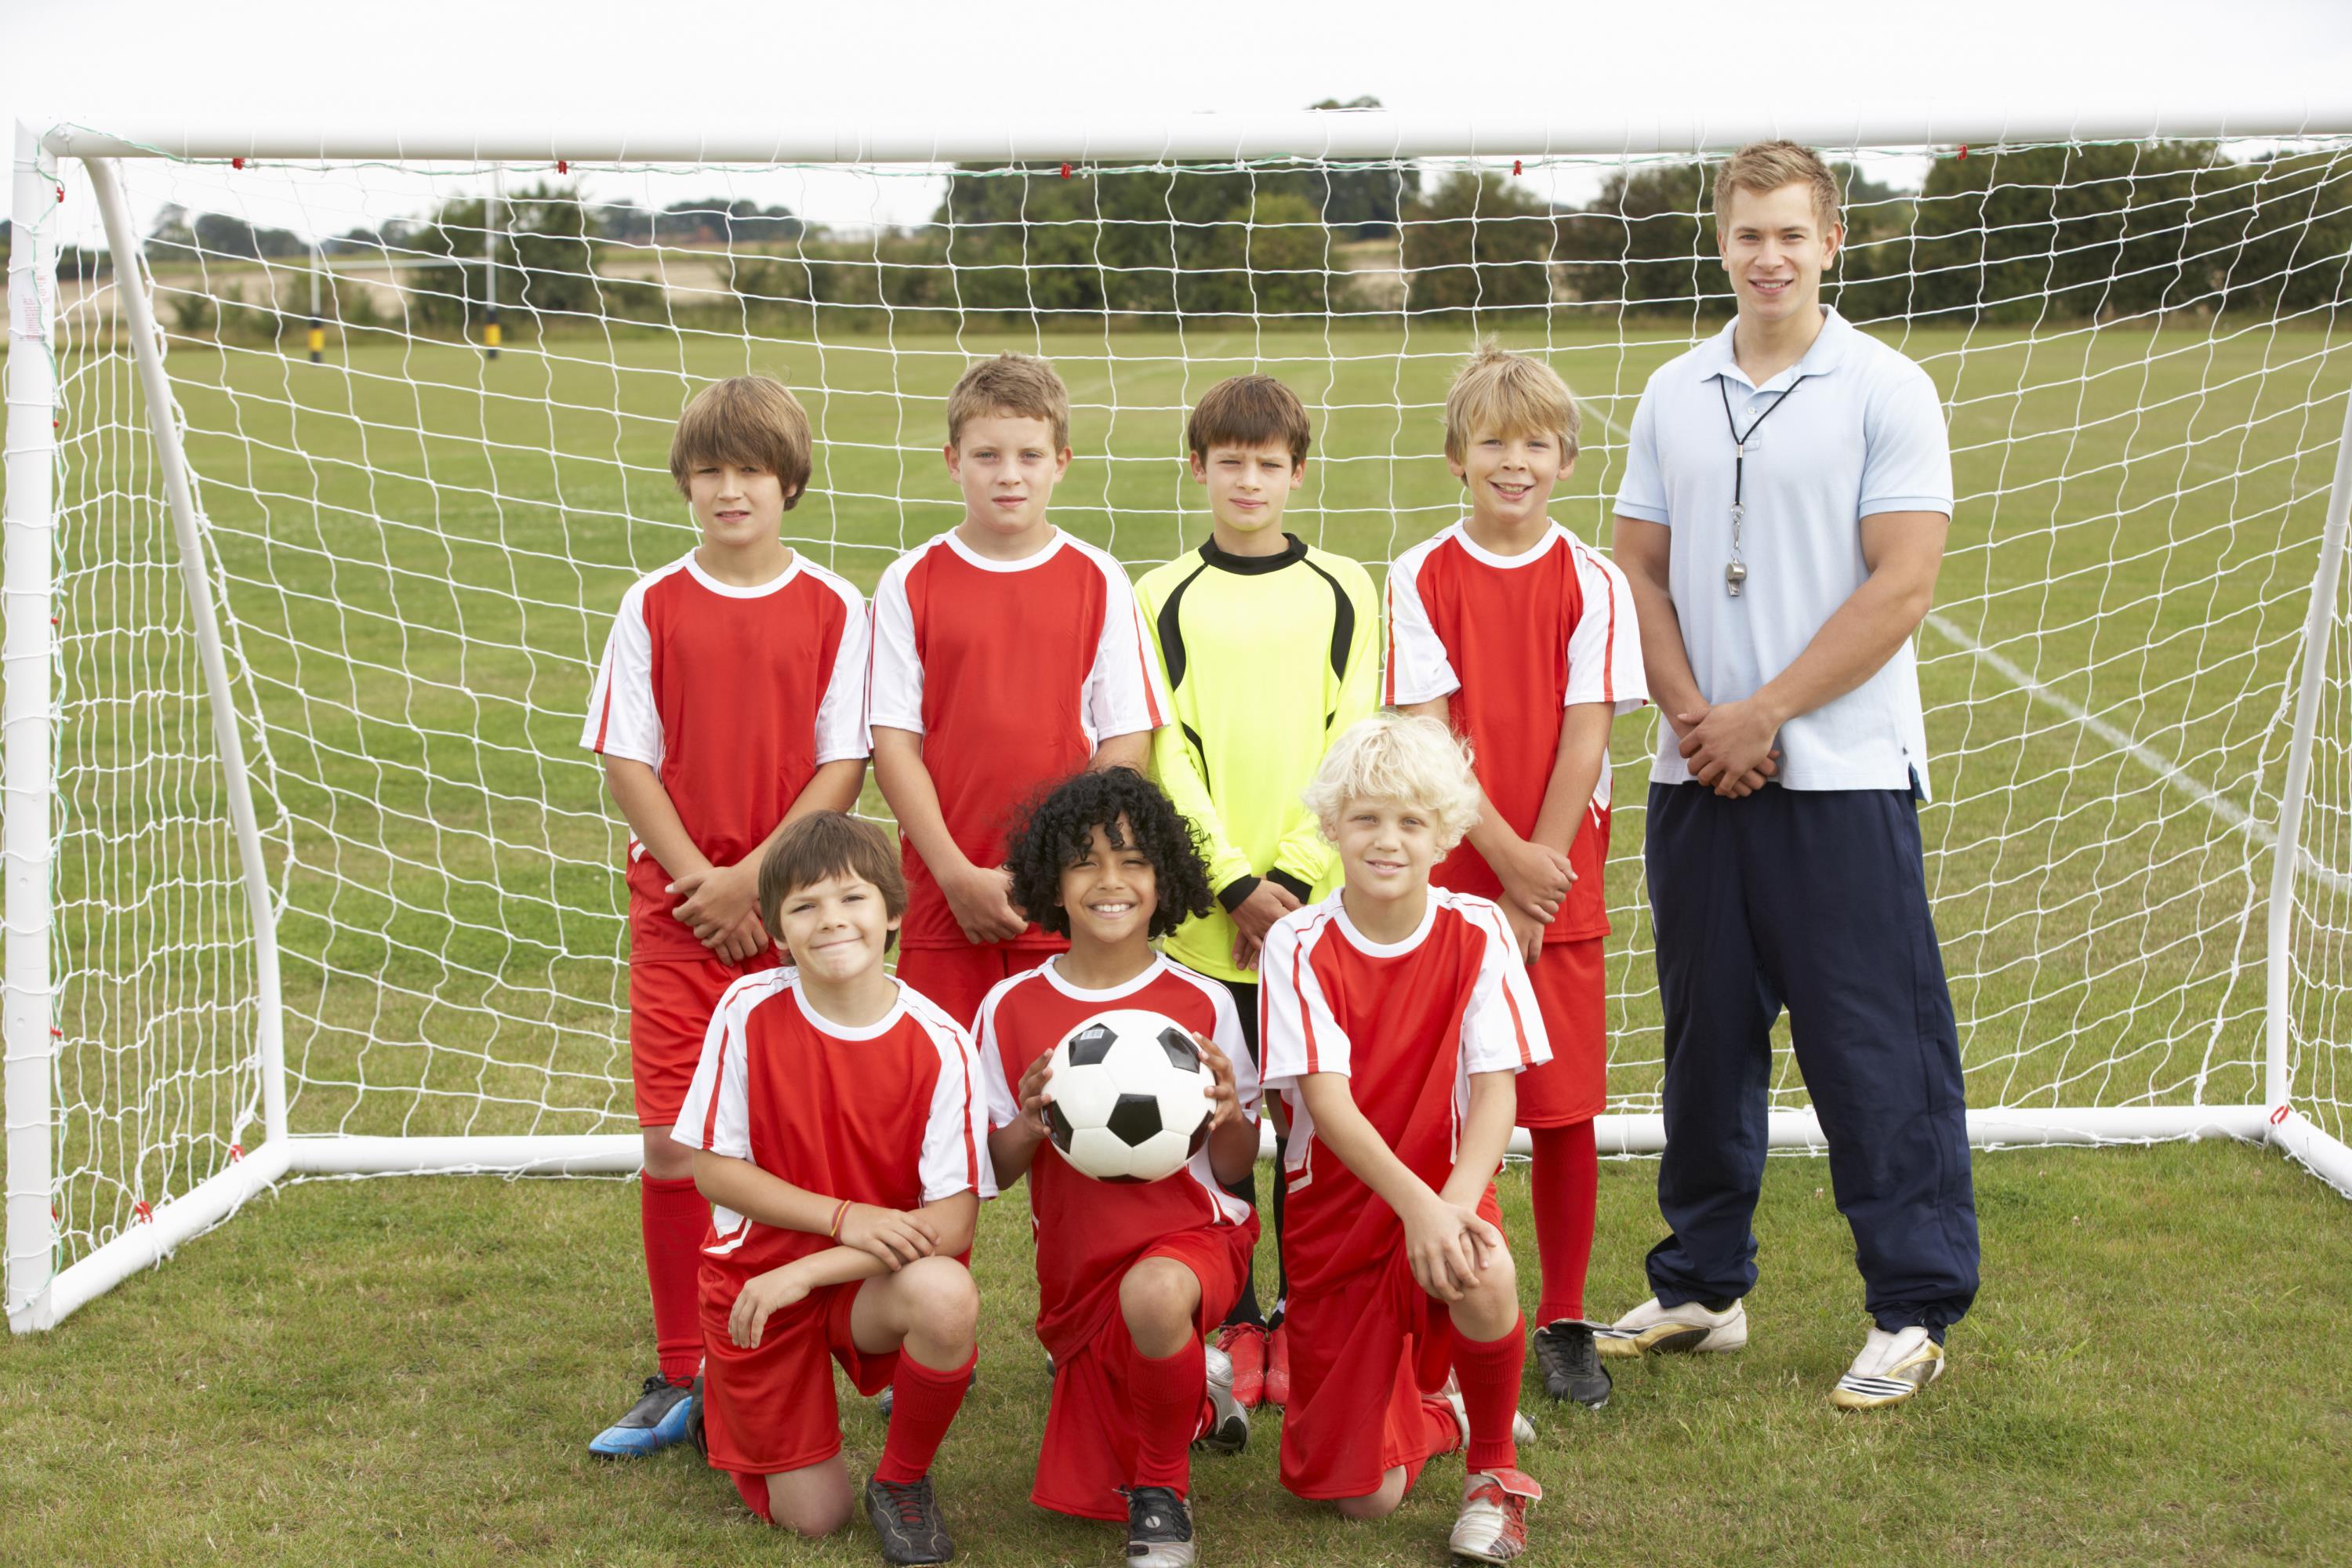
<point x="1734" y="572"/>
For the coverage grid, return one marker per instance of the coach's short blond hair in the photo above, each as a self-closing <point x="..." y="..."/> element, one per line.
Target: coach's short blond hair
<point x="1022" y="385"/>
<point x="1762" y="167"/>
<point x="752" y="421"/>
<point x="1408" y="758"/>
<point x="1506" y="394"/>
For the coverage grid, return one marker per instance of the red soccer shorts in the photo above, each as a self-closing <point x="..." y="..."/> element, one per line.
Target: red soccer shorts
<point x="1363" y="1355"/>
<point x="670" y="1004"/>
<point x="771" y="1408"/>
<point x="1089" y="1452"/>
<point x="1571" y="993"/>
<point x="958" y="978"/>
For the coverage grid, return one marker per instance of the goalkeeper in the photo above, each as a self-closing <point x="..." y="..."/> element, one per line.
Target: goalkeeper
<point x="1788" y="488"/>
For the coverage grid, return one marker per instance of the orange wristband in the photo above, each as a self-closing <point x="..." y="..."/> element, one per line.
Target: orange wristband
<point x="833" y="1233"/>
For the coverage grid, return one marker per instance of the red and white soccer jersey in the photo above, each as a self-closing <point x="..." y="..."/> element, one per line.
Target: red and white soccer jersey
<point x="1512" y="641"/>
<point x="1408" y="1023"/>
<point x="890" y="1114"/>
<point x="734" y="697"/>
<point x="1012" y="671"/>
<point x="1090" y="1232"/>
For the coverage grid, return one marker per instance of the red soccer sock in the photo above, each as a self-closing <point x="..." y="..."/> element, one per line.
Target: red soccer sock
<point x="1171" y="1406"/>
<point x="753" y="1490"/>
<point x="1489" y="1373"/>
<point x="923" y="1405"/>
<point x="675" y="1217"/>
<point x="1565" y="1179"/>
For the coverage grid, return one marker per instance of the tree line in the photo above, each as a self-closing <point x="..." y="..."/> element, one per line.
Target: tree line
<point x="2059" y="232"/>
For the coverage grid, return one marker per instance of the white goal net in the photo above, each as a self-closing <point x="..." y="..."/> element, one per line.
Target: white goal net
<point x="415" y="548"/>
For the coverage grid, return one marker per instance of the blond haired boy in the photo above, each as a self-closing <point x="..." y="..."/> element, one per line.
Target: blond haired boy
<point x="1522" y="638"/>
<point x="1006" y="654"/>
<point x="1396" y="1016"/>
<point x="729" y="703"/>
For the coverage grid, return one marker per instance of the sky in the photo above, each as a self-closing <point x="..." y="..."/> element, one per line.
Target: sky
<point x="427" y="63"/>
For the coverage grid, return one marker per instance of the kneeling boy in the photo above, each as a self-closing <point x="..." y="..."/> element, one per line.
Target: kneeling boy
<point x="1395" y="1015"/>
<point x="838" y="1130"/>
<point x="1128" y="1277"/>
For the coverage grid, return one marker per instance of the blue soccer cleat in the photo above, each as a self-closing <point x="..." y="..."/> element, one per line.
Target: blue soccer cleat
<point x="657" y="1421"/>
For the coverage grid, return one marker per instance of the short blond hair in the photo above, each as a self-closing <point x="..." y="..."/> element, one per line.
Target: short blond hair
<point x="753" y="421"/>
<point x="1762" y="167"/>
<point x="1506" y="394"/>
<point x="1022" y="385"/>
<point x="1410" y="759"/>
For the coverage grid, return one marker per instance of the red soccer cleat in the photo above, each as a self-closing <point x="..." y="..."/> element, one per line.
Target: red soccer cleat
<point x="1245" y="1345"/>
<point x="1277" y="1367"/>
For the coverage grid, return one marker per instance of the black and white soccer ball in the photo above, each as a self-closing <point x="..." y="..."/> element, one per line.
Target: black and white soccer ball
<point x="1127" y="1100"/>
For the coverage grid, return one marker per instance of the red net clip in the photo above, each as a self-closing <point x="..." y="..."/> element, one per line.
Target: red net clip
<point x="2278" y="1114"/>
<point x="146" y="1215"/>
<point x="1964" y="149"/>
<point x="236" y="163"/>
<point x="236" y="1152"/>
<point x="1066" y="171"/>
<point x="1516" y="167"/>
<point x="563" y="166"/>
<point x="61" y="193"/>
<point x="56" y="1033"/>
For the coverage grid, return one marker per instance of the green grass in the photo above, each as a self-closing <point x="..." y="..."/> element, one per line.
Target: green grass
<point x="421" y="553"/>
<point x="407" y="1371"/>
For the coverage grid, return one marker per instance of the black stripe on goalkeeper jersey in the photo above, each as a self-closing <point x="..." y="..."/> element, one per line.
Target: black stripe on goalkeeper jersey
<point x="1171" y="627"/>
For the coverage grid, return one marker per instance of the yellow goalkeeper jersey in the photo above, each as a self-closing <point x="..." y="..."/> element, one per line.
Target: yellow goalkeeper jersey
<point x="1268" y="658"/>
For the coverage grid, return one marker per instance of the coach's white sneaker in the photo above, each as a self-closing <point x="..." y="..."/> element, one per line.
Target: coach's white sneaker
<point x="1890" y="1369"/>
<point x="1688" y="1328"/>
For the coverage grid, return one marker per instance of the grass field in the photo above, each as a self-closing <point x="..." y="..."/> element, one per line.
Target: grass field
<point x="421" y="553"/>
<point x="407" y="1373"/>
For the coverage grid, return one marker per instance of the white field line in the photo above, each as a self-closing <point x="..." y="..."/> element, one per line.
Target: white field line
<point x="2164" y="768"/>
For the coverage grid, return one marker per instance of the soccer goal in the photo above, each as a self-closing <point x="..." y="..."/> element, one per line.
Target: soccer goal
<point x="330" y="454"/>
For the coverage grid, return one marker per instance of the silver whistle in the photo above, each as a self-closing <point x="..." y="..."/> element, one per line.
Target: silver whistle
<point x="1733" y="575"/>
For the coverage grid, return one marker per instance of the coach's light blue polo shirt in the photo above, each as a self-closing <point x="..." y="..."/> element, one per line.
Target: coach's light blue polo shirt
<point x="1863" y="433"/>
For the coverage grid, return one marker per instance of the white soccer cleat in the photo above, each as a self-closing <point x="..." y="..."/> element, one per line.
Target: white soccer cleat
<point x="1890" y="1369"/>
<point x="1493" y="1524"/>
<point x="1522" y="1429"/>
<point x="1686" y="1329"/>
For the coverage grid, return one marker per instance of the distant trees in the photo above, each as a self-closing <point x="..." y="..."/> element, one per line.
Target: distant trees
<point x="2010" y="238"/>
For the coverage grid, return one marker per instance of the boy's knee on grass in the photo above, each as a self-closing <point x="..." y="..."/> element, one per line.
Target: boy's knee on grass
<point x="812" y="1502"/>
<point x="1158" y="1298"/>
<point x="1375" y="1505"/>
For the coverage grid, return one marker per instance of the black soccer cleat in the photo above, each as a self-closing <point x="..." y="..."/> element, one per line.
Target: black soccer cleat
<point x="1570" y="1362"/>
<point x="1159" y="1529"/>
<point x="907" y="1520"/>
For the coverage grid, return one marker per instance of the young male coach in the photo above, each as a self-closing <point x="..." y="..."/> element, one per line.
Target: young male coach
<point x="1782" y="522"/>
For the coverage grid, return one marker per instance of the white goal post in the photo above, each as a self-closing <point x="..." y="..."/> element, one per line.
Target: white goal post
<point x="240" y="775"/>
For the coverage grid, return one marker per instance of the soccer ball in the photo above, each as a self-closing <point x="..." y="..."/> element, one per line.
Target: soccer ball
<point x="1127" y="1100"/>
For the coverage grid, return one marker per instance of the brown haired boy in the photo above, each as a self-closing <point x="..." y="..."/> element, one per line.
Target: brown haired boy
<point x="1270" y="648"/>
<point x="839" y="1129"/>
<point x="1006" y="654"/>
<point x="730" y="703"/>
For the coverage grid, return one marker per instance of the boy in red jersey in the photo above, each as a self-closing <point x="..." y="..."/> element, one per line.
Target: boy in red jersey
<point x="1523" y="639"/>
<point x="729" y="703"/>
<point x="1128" y="1277"/>
<point x="840" y="1132"/>
<point x="1006" y="654"/>
<point x="1395" y="1016"/>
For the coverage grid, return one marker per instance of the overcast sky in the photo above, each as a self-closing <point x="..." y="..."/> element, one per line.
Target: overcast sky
<point x="453" y="62"/>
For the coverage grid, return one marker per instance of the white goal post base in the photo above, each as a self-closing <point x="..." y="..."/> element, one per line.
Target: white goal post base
<point x="215" y="1201"/>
